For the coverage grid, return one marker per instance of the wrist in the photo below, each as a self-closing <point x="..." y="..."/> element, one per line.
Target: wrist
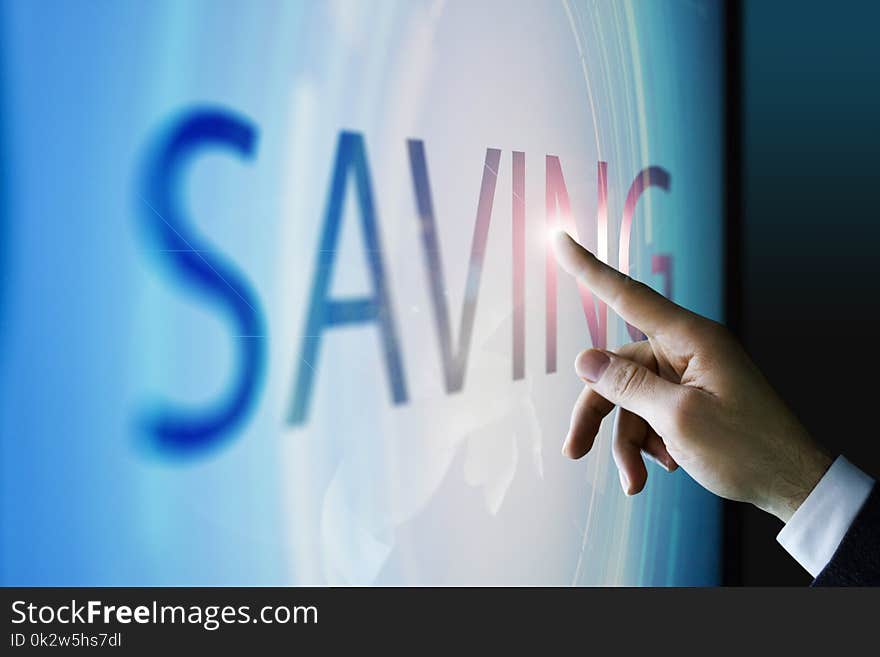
<point x="793" y="481"/>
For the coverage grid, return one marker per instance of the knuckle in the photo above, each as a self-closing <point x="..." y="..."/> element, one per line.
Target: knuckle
<point x="710" y="331"/>
<point x="685" y="411"/>
<point x="628" y="380"/>
<point x="627" y="291"/>
<point x="720" y="331"/>
<point x="725" y="339"/>
<point x="638" y="287"/>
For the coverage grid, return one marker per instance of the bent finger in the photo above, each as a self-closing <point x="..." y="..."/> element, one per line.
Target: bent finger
<point x="626" y="448"/>
<point x="655" y="448"/>
<point x="630" y="385"/>
<point x="591" y="407"/>
<point x="586" y="418"/>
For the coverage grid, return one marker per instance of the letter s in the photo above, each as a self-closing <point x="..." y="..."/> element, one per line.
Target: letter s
<point x="193" y="264"/>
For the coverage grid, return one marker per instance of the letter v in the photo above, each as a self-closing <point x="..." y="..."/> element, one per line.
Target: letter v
<point x="454" y="359"/>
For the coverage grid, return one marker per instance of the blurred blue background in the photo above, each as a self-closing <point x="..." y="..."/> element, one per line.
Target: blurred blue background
<point x="119" y="301"/>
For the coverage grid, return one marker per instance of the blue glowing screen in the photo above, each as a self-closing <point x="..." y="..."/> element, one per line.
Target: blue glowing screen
<point x="277" y="304"/>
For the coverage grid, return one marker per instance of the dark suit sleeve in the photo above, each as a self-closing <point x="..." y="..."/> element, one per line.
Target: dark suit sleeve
<point x="857" y="559"/>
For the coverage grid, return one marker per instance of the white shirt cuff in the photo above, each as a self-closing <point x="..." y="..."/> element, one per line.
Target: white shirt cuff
<point x="814" y="531"/>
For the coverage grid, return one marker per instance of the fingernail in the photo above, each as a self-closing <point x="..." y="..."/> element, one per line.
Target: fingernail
<point x="624" y="482"/>
<point x="591" y="364"/>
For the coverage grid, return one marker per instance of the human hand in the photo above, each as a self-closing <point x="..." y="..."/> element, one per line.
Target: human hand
<point x="689" y="396"/>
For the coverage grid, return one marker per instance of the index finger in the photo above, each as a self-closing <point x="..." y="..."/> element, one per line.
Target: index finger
<point x="635" y="302"/>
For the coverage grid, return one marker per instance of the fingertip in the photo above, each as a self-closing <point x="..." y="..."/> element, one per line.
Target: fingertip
<point x="666" y="462"/>
<point x="624" y="482"/>
<point x="559" y="238"/>
<point x="570" y="448"/>
<point x="655" y="449"/>
<point x="570" y="255"/>
<point x="632" y="486"/>
<point x="590" y="364"/>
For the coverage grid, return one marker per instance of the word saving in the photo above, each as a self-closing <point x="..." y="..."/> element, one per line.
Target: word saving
<point x="208" y="274"/>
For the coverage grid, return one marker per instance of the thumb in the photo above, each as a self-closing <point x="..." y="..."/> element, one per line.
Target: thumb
<point x="628" y="385"/>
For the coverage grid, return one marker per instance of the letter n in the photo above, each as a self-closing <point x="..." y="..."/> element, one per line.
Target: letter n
<point x="559" y="216"/>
